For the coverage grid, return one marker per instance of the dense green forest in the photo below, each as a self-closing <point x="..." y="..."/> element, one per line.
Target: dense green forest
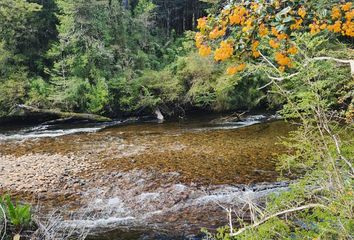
<point x="112" y="57"/>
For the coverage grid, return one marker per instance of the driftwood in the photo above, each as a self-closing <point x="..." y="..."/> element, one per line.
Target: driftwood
<point x="24" y="110"/>
<point x="159" y="115"/>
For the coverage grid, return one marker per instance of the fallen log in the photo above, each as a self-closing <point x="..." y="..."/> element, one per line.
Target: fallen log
<point x="24" y="110"/>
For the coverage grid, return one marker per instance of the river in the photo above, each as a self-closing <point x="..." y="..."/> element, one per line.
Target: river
<point x="142" y="179"/>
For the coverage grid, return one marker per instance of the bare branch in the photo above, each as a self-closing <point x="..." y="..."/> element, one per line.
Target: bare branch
<point x="268" y="61"/>
<point x="276" y="215"/>
<point x="351" y="62"/>
<point x="266" y="85"/>
<point x="229" y="213"/>
<point x="333" y="59"/>
<point x="348" y="61"/>
<point x="284" y="78"/>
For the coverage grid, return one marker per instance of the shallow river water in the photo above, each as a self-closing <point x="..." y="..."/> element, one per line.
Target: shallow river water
<point x="143" y="180"/>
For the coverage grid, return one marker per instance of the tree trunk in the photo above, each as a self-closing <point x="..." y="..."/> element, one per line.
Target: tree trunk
<point x="24" y="110"/>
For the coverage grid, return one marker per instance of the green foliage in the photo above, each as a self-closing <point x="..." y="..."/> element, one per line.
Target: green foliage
<point x="144" y="7"/>
<point x="98" y="96"/>
<point x="13" y="91"/>
<point x="320" y="150"/>
<point x="38" y="93"/>
<point x="96" y="44"/>
<point x="19" y="215"/>
<point x="95" y="56"/>
<point x="14" y="16"/>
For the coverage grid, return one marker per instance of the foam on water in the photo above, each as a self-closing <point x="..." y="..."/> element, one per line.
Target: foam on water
<point x="39" y="133"/>
<point x="142" y="209"/>
<point x="51" y="131"/>
<point x="229" y="125"/>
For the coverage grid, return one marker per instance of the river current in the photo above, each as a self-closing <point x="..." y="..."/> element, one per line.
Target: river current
<point x="140" y="179"/>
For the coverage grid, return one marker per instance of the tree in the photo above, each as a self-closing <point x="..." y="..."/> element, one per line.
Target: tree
<point x="295" y="44"/>
<point x="99" y="42"/>
<point x="244" y="30"/>
<point x="14" y="18"/>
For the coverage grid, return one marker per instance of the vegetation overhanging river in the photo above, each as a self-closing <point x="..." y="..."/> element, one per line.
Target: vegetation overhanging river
<point x="143" y="178"/>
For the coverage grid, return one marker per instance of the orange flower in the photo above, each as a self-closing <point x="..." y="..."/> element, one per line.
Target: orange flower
<point x="349" y="15"/>
<point x="204" y="51"/>
<point x="198" y="39"/>
<point x="202" y="22"/>
<point x="314" y="28"/>
<point x="256" y="54"/>
<point x="274" y="44"/>
<point x="323" y="26"/>
<point x="302" y="12"/>
<point x="296" y="25"/>
<point x="348" y="29"/>
<point x="274" y="31"/>
<point x="235" y="19"/>
<point x="216" y="33"/>
<point x="234" y="69"/>
<point x="282" y="36"/>
<point x="336" y="27"/>
<point x="292" y="50"/>
<point x="346" y="7"/>
<point x="224" y="23"/>
<point x="282" y="68"/>
<point x="282" y="59"/>
<point x="238" y="16"/>
<point x="231" y="70"/>
<point x="248" y="25"/>
<point x="263" y="31"/>
<point x="224" y="52"/>
<point x="336" y="13"/>
<point x="241" y="67"/>
<point x="255" y="44"/>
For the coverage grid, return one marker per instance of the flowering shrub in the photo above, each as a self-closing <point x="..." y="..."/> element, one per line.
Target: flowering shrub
<point x="242" y="29"/>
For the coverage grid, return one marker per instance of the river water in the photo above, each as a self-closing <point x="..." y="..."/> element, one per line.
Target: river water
<point x="143" y="179"/>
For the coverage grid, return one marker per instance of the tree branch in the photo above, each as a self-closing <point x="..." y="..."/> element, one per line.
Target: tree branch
<point x="279" y="79"/>
<point x="276" y="215"/>
<point x="348" y="61"/>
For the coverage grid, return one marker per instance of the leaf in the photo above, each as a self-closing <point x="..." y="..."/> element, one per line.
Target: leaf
<point x="10" y="208"/>
<point x="288" y="19"/>
<point x="284" y="11"/>
<point x="280" y="28"/>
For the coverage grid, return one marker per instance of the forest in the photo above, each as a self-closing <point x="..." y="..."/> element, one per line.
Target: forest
<point x="110" y="58"/>
<point x="118" y="59"/>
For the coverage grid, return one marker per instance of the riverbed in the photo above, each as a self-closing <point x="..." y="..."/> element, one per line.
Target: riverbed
<point x="141" y="179"/>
